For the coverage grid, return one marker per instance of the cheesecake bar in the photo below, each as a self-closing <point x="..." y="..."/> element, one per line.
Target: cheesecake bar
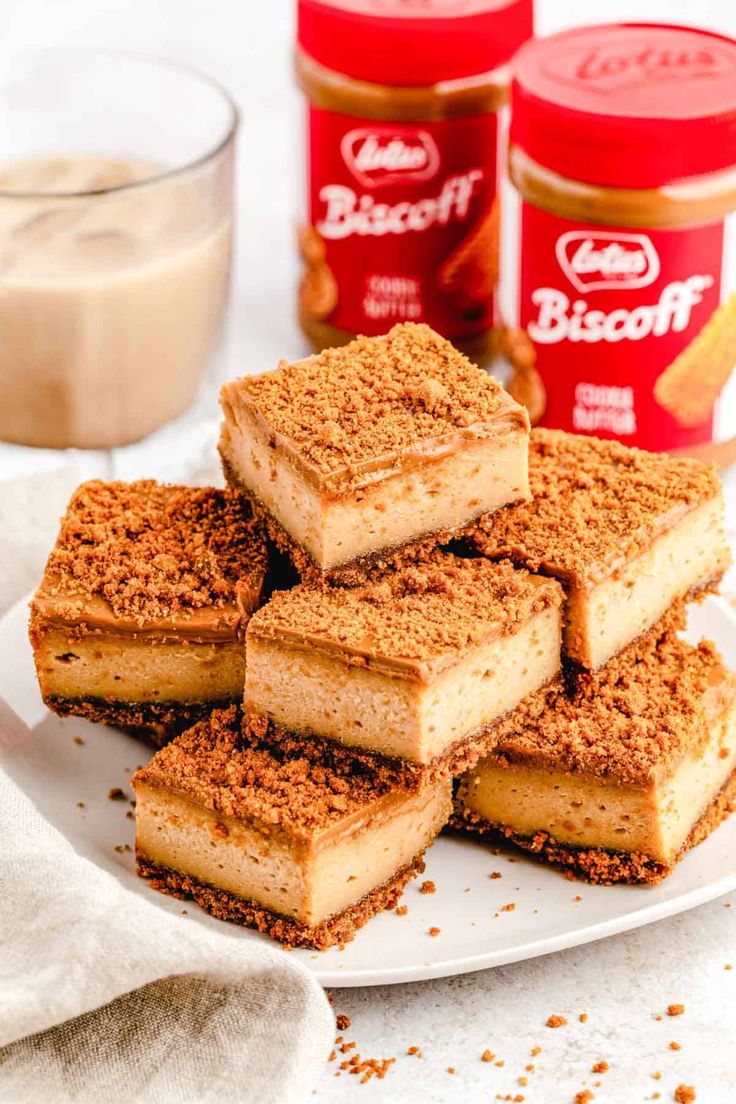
<point x="626" y="532"/>
<point x="616" y="782"/>
<point x="417" y="665"/>
<point x="305" y="848"/>
<point x="367" y="448"/>
<point x="140" y="618"/>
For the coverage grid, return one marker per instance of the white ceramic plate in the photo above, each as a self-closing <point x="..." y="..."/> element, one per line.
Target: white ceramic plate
<point x="550" y="913"/>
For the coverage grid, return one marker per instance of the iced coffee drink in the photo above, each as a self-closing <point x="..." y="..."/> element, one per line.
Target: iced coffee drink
<point x="114" y="274"/>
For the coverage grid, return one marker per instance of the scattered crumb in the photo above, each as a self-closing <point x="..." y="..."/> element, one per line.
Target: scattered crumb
<point x="523" y="1081"/>
<point x="434" y="931"/>
<point x="675" y="1046"/>
<point x="685" y="1094"/>
<point x="583" y="1017"/>
<point x="535" y="1051"/>
<point x="578" y="898"/>
<point x="584" y="1096"/>
<point x="427" y="887"/>
<point x="184" y="912"/>
<point x="495" y="874"/>
<point x="363" y="1068"/>
<point x="81" y="805"/>
<point x="500" y="1063"/>
<point x="450" y="1069"/>
<point x="556" y="1021"/>
<point x="414" y="1050"/>
<point x="508" y="908"/>
<point x="600" y="1067"/>
<point x="486" y="1056"/>
<point x="657" y="1075"/>
<point x="343" y="1022"/>
<point x="658" y="1016"/>
<point x="332" y="1056"/>
<point x="401" y="910"/>
<point x="116" y="794"/>
<point x="121" y="847"/>
<point x="130" y="814"/>
<point x="728" y="966"/>
<point x="675" y="1009"/>
<point x="79" y="740"/>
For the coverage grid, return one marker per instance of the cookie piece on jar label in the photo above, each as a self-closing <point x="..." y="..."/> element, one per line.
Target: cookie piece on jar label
<point x="470" y="273"/>
<point x="689" y="387"/>
<point x="402" y="137"/>
<point x="525" y="383"/>
<point x="311" y="245"/>
<point x="623" y="151"/>
<point x="317" y="292"/>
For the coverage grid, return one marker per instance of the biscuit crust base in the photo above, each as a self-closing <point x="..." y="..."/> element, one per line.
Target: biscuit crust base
<point x="601" y="867"/>
<point x="223" y="905"/>
<point x="349" y="574"/>
<point x="155" y="722"/>
<point x="456" y="760"/>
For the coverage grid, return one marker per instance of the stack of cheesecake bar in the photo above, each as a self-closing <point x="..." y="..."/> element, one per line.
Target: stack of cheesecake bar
<point x="404" y="612"/>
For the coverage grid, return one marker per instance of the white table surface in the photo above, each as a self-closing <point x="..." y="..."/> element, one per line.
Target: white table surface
<point x="623" y="983"/>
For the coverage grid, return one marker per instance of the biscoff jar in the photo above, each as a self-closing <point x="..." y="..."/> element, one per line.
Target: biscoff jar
<point x="402" y="134"/>
<point x="623" y="153"/>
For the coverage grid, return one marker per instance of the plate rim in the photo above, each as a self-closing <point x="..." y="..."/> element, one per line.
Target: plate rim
<point x="334" y="977"/>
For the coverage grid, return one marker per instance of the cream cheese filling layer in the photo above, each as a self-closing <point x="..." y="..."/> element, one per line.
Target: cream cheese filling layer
<point x="310" y="691"/>
<point x="307" y="883"/>
<point x="444" y="492"/>
<point x="654" y="818"/>
<point x="603" y="619"/>
<point x="120" y="669"/>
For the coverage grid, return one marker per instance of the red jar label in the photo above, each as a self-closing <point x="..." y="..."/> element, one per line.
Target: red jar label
<point x="406" y="221"/>
<point x="628" y="344"/>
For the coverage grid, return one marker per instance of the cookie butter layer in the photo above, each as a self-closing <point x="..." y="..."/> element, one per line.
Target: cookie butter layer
<point x="627" y="532"/>
<point x="145" y="598"/>
<point x="625" y="768"/>
<point x="306" y="839"/>
<point x="375" y="444"/>
<point x="409" y="666"/>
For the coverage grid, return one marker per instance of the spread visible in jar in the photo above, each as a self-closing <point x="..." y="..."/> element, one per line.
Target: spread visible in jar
<point x="402" y="164"/>
<point x="623" y="149"/>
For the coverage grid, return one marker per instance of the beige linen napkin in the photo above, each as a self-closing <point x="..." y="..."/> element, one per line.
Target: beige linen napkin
<point x="104" y="995"/>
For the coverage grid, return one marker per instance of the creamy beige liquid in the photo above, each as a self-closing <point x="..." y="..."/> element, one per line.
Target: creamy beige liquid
<point x="109" y="304"/>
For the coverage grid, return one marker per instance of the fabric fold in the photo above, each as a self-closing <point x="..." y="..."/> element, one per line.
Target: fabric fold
<point x="103" y="993"/>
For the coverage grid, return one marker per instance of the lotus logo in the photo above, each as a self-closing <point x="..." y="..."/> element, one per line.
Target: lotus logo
<point x="380" y="155"/>
<point x="592" y="260"/>
<point x="610" y="70"/>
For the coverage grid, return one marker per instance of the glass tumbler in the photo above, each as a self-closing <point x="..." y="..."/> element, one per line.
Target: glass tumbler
<point x="116" y="216"/>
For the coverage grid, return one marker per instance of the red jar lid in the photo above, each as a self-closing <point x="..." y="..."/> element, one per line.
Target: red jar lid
<point x="631" y="105"/>
<point x="412" y="42"/>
